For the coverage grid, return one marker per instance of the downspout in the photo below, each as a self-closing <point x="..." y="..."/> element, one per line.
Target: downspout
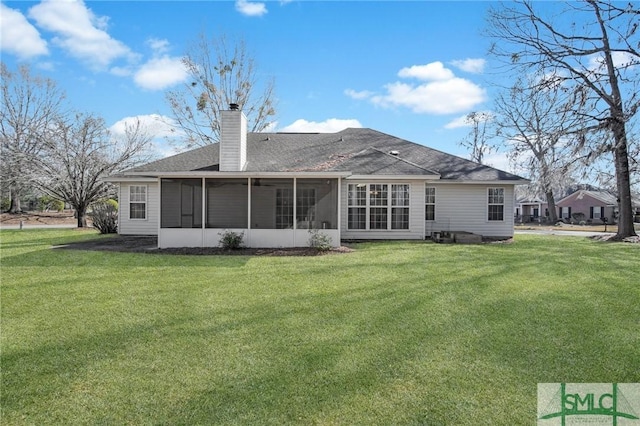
<point x="204" y="212"/>
<point x="248" y="242"/>
<point x="339" y="211"/>
<point x="159" y="181"/>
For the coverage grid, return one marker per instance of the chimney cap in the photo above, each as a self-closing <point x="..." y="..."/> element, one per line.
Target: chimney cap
<point x="234" y="107"/>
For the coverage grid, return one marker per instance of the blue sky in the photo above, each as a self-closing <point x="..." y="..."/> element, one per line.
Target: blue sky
<point x="408" y="68"/>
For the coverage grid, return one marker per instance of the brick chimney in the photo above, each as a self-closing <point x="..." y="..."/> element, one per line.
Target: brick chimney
<point x="233" y="139"/>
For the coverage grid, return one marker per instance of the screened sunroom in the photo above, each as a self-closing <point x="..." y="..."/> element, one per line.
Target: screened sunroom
<point x="269" y="211"/>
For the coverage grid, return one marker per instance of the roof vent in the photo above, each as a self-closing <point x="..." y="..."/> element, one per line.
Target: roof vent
<point x="234" y="107"/>
<point x="394" y="152"/>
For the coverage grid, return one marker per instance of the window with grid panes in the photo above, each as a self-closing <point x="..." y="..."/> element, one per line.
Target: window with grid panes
<point x="400" y="206"/>
<point x="495" y="204"/>
<point x="357" y="206"/>
<point x="430" y="203"/>
<point x="138" y="202"/>
<point x="284" y="208"/>
<point x="378" y="206"/>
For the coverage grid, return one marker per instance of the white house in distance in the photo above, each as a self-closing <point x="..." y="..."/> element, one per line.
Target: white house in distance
<point x="274" y="187"/>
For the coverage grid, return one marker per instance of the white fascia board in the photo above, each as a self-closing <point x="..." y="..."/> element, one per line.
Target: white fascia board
<point x="199" y="174"/>
<point x="394" y="177"/>
<point x="485" y="182"/>
<point x="129" y="178"/>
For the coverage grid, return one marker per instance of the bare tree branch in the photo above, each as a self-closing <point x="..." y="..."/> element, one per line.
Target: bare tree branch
<point x="220" y="73"/>
<point x="29" y="104"/>
<point x="596" y="58"/>
<point x="80" y="152"/>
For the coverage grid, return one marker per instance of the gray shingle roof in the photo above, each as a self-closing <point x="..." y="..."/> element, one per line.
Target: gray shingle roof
<point x="360" y="151"/>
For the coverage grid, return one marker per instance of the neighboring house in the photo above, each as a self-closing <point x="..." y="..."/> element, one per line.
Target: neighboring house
<point x="530" y="210"/>
<point x="591" y="206"/>
<point x="274" y="187"/>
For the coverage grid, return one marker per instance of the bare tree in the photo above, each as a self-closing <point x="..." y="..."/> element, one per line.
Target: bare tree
<point x="478" y="139"/>
<point x="595" y="54"/>
<point x="29" y="103"/>
<point x="219" y="74"/>
<point x="534" y="117"/>
<point x="80" y="152"/>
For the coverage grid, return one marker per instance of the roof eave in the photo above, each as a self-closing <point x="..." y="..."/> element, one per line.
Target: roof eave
<point x="394" y="177"/>
<point x="209" y="174"/>
<point x="486" y="182"/>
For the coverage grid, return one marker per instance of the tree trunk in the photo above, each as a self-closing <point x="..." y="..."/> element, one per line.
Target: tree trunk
<point x="623" y="180"/>
<point x="551" y="206"/>
<point x="15" y="201"/>
<point x="81" y="213"/>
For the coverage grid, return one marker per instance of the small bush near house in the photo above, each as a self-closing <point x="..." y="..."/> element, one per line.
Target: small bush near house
<point x="105" y="218"/>
<point x="112" y="202"/>
<point x="231" y="240"/>
<point x="319" y="241"/>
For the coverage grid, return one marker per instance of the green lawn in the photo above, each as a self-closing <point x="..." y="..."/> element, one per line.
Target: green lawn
<point x="393" y="333"/>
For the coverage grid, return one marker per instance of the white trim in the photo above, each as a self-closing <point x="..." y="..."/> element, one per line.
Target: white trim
<point x="503" y="204"/>
<point x="389" y="207"/>
<point x="484" y="182"/>
<point x="435" y="196"/>
<point x="130" y="179"/>
<point x="392" y="177"/>
<point x="146" y="203"/>
<point x="200" y="174"/>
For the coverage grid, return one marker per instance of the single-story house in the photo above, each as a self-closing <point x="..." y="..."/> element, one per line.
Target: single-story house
<point x="591" y="206"/>
<point x="275" y="187"/>
<point x="529" y="210"/>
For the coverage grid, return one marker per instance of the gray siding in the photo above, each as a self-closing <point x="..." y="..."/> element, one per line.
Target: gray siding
<point x="459" y="207"/>
<point x="148" y="226"/>
<point x="416" y="214"/>
<point x="464" y="207"/>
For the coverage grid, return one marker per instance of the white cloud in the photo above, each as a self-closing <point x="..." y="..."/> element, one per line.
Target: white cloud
<point x="329" y="126"/>
<point x="18" y="36"/>
<point x="458" y="122"/>
<point x="437" y="97"/>
<point x="159" y="127"/>
<point x="620" y="60"/>
<point x="499" y="160"/>
<point x="464" y="121"/>
<point x="475" y="66"/>
<point x="79" y="32"/>
<point x="249" y="8"/>
<point x="158" y="45"/>
<point x="430" y="72"/>
<point x="364" y="94"/>
<point x="440" y="91"/>
<point x="160" y="73"/>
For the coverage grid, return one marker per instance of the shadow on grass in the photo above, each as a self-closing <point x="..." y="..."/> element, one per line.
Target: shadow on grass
<point x="423" y="338"/>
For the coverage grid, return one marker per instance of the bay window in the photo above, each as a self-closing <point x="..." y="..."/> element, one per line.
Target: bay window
<point x="378" y="206"/>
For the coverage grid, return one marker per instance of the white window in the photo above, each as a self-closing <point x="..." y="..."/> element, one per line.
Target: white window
<point x="137" y="202"/>
<point x="400" y="206"/>
<point x="378" y="206"/>
<point x="495" y="204"/>
<point x="357" y="214"/>
<point x="430" y="203"/>
<point x="596" y="212"/>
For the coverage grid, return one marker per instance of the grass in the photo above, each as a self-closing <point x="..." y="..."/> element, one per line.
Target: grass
<point x="612" y="228"/>
<point x="393" y="333"/>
